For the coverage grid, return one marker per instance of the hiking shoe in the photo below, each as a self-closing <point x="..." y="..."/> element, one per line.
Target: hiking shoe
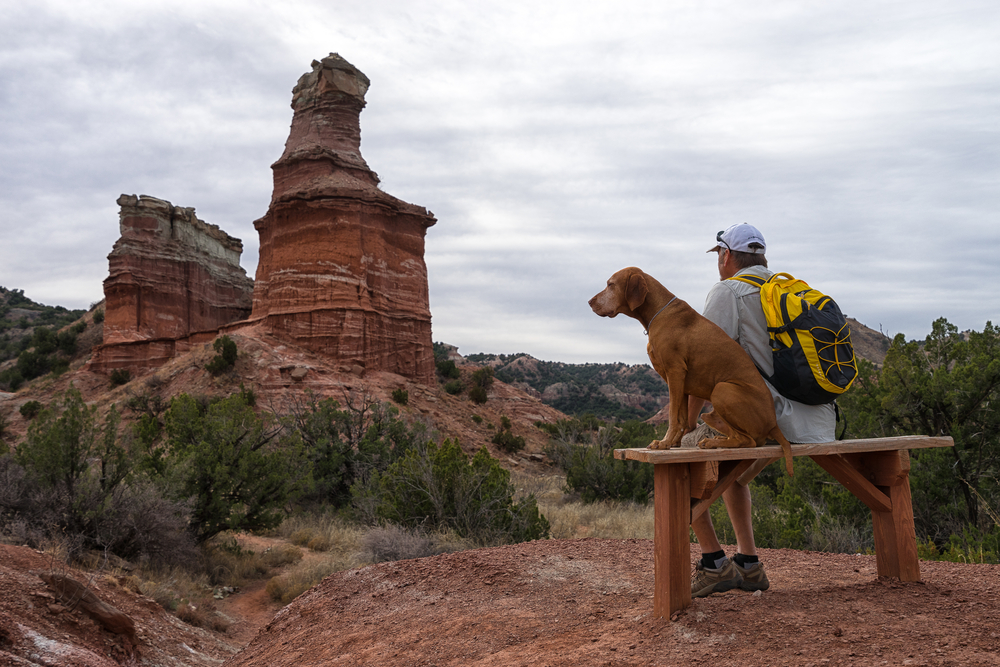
<point x="754" y="577"/>
<point x="701" y="431"/>
<point x="709" y="580"/>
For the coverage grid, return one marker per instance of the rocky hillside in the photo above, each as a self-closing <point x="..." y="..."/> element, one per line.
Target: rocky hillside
<point x="609" y="391"/>
<point x="20" y="316"/>
<point x="36" y="339"/>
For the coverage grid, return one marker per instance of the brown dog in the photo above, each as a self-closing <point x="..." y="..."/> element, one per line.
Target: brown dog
<point x="696" y="358"/>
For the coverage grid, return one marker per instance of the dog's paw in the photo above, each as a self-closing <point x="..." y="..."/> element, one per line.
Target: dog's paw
<point x="658" y="444"/>
<point x="711" y="443"/>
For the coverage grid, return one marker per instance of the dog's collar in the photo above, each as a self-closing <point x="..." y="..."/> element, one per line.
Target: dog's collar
<point x="646" y="331"/>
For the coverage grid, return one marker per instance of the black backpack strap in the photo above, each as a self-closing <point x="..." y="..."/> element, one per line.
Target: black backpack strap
<point x="837" y="413"/>
<point x="749" y="278"/>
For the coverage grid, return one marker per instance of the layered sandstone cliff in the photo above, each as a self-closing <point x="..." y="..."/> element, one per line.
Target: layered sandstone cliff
<point x="172" y="279"/>
<point x="341" y="268"/>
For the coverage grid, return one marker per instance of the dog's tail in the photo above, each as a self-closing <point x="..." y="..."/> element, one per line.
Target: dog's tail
<point x="786" y="447"/>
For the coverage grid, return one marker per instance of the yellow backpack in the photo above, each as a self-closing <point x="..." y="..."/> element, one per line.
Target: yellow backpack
<point x="811" y="347"/>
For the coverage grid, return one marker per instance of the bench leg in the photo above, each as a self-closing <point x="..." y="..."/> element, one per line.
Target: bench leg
<point x="671" y="541"/>
<point x="895" y="537"/>
<point x="882" y="481"/>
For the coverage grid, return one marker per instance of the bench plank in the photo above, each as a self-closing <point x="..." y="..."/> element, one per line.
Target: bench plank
<point x="688" y="455"/>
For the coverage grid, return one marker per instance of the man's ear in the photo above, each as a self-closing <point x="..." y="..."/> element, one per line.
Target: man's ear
<point x="635" y="291"/>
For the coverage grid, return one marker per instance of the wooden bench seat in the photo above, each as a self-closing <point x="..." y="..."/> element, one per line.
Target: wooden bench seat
<point x="687" y="481"/>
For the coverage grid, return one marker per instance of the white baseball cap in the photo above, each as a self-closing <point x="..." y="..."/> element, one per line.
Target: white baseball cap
<point x="741" y="238"/>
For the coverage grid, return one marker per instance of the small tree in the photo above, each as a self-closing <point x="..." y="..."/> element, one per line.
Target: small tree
<point x="239" y="468"/>
<point x="79" y="465"/>
<point x="505" y="439"/>
<point x="482" y="380"/>
<point x="585" y="450"/>
<point x="120" y="376"/>
<point x="400" y="396"/>
<point x="31" y="409"/>
<point x="447" y="369"/>
<point x="226" y="357"/>
<point x="347" y="445"/>
<point x="948" y="385"/>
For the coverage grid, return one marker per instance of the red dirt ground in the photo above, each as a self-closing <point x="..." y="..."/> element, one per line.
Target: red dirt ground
<point x="554" y="603"/>
<point x="588" y="602"/>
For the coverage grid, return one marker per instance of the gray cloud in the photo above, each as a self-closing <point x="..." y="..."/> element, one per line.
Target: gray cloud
<point x="555" y="143"/>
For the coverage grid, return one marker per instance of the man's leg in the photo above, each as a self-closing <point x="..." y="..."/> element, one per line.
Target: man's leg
<point x="714" y="572"/>
<point x="737" y="499"/>
<point x="753" y="577"/>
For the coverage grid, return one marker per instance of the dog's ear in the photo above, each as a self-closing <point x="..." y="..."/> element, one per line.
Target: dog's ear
<point x="635" y="291"/>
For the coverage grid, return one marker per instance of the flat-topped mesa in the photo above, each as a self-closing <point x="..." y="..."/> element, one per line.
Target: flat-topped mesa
<point x="341" y="269"/>
<point x="171" y="276"/>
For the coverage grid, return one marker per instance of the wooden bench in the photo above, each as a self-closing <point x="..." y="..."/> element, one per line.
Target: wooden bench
<point x="687" y="481"/>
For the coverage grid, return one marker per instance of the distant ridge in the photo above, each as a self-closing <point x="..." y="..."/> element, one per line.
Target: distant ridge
<point x="619" y="391"/>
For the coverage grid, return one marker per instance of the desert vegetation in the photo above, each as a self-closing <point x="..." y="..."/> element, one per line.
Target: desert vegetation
<point x="171" y="483"/>
<point x="176" y="484"/>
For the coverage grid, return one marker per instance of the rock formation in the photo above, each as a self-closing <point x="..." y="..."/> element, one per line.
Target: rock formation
<point x="173" y="280"/>
<point x="341" y="267"/>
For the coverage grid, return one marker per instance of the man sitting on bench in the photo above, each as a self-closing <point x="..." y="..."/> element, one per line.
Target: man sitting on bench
<point x="735" y="306"/>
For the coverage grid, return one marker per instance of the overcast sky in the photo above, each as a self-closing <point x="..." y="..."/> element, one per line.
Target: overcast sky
<point x="555" y="142"/>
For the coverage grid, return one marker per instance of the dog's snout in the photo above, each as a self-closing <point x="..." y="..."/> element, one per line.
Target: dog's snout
<point x="599" y="303"/>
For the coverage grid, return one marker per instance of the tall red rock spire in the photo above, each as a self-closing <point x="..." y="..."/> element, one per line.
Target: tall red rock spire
<point x="341" y="267"/>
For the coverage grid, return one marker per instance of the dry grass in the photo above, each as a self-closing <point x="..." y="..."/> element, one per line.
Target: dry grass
<point x="323" y="532"/>
<point x="286" y="587"/>
<point x="570" y="518"/>
<point x="337" y="543"/>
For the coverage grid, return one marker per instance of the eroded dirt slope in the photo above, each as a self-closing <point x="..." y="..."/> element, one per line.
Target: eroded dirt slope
<point x="588" y="602"/>
<point x="39" y="628"/>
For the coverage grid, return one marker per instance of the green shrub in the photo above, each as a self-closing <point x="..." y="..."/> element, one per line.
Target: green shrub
<point x="437" y="487"/>
<point x="454" y="387"/>
<point x="482" y="380"/>
<point x="587" y="456"/>
<point x="508" y="442"/>
<point x="31" y="409"/>
<point x="72" y="480"/>
<point x="400" y="396"/>
<point x="240" y="468"/>
<point x="346" y="445"/>
<point x="226" y="357"/>
<point x="11" y="379"/>
<point x="120" y="376"/>
<point x="447" y="369"/>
